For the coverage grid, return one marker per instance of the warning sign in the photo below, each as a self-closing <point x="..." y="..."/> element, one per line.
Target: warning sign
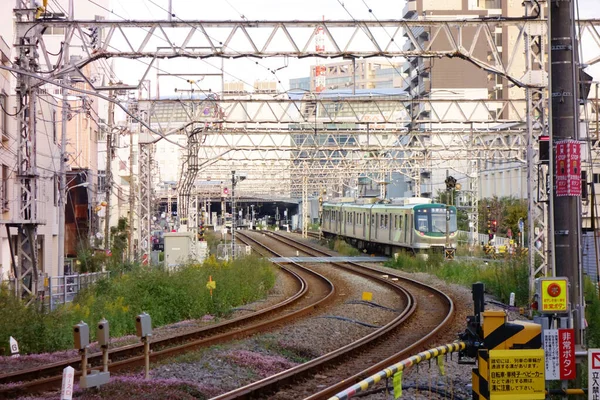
<point x="554" y="295"/>
<point x="568" y="168"/>
<point x="593" y="374"/>
<point x="559" y="349"/>
<point x="517" y="374"/>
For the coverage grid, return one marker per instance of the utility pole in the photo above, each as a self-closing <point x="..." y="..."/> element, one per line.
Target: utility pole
<point x="62" y="198"/>
<point x="131" y="197"/>
<point x="566" y="163"/>
<point x="108" y="179"/>
<point x="233" y="212"/>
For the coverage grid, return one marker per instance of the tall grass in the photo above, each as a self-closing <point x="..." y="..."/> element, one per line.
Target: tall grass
<point x="168" y="296"/>
<point x="500" y="278"/>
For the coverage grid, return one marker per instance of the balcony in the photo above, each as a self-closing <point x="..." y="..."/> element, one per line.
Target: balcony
<point x="410" y="9"/>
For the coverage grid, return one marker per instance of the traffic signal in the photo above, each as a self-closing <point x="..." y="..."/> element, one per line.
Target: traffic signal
<point x="225" y="191"/>
<point x="494" y="225"/>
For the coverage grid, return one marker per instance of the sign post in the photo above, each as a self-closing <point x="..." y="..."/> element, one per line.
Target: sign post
<point x="66" y="392"/>
<point x="14" y="347"/>
<point x="559" y="348"/>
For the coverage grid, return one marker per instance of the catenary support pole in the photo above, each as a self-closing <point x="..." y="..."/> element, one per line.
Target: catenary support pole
<point x="108" y="177"/>
<point x="566" y="208"/>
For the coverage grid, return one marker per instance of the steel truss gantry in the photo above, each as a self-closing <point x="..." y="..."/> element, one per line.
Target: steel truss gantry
<point x="24" y="252"/>
<point x="237" y="39"/>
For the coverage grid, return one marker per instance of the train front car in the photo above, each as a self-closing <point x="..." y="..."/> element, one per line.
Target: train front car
<point x="434" y="225"/>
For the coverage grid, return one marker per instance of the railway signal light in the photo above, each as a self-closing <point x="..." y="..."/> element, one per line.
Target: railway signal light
<point x="494" y="225"/>
<point x="450" y="183"/>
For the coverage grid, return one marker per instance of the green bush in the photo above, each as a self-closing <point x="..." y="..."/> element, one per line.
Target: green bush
<point x="500" y="278"/>
<point x="168" y="296"/>
<point x="592" y="313"/>
<point x="344" y="248"/>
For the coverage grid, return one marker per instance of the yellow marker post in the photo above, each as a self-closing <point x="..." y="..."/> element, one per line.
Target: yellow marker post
<point x="397" y="382"/>
<point x="441" y="366"/>
<point x="210" y="285"/>
<point x="367" y="296"/>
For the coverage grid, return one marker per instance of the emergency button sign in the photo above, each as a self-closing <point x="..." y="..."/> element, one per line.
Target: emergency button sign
<point x="553" y="295"/>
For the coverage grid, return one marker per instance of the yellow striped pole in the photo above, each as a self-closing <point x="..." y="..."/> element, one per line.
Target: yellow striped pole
<point x="400" y="366"/>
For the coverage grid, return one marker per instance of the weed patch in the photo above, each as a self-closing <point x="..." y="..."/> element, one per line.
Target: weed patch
<point x="168" y="296"/>
<point x="500" y="278"/>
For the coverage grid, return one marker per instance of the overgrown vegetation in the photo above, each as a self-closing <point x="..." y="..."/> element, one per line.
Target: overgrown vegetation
<point x="500" y="278"/>
<point x="167" y="296"/>
<point x="340" y="246"/>
<point x="592" y="314"/>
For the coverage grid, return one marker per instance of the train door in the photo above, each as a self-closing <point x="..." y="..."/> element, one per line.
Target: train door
<point x="405" y="228"/>
<point x="354" y="215"/>
<point x="390" y="228"/>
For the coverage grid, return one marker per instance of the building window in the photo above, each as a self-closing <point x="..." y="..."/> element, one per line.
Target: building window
<point x="4" y="189"/>
<point x="596" y="178"/>
<point x="101" y="181"/>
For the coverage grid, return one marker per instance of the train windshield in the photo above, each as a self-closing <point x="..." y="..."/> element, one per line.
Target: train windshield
<point x="433" y="220"/>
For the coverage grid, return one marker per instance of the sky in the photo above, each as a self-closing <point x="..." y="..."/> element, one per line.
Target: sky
<point x="278" y="69"/>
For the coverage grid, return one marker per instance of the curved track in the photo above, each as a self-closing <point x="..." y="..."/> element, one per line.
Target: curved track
<point x="346" y="365"/>
<point x="314" y="290"/>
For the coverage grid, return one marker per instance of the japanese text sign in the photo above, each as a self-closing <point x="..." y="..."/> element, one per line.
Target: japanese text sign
<point x="559" y="348"/>
<point x="554" y="295"/>
<point x="517" y="374"/>
<point x="568" y="168"/>
<point x="593" y="374"/>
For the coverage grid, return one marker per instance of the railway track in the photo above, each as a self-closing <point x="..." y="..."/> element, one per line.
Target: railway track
<point x="343" y="356"/>
<point x="346" y="365"/>
<point x="314" y="290"/>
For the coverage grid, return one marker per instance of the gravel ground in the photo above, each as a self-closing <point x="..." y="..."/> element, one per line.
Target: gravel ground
<point x="219" y="365"/>
<point x="229" y="366"/>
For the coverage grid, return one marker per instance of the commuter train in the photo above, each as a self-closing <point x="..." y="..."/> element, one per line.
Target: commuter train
<point x="416" y="225"/>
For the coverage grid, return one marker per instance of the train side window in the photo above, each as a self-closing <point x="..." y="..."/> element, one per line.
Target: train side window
<point x="385" y="223"/>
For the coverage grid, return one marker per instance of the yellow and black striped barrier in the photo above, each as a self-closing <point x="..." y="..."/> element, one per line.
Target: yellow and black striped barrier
<point x="398" y="367"/>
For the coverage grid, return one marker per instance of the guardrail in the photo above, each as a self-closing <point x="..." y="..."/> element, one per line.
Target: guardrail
<point x="400" y="366"/>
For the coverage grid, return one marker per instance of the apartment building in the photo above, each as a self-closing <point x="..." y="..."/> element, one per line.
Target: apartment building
<point x="458" y="79"/>
<point x="349" y="74"/>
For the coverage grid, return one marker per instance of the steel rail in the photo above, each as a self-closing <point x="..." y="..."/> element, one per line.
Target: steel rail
<point x="274" y="381"/>
<point x="132" y="353"/>
<point x="332" y="390"/>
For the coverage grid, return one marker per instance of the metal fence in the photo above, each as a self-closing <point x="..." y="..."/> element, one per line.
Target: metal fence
<point x="465" y="237"/>
<point x="63" y="289"/>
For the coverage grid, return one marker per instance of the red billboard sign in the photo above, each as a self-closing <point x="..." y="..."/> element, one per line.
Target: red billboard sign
<point x="567" y="164"/>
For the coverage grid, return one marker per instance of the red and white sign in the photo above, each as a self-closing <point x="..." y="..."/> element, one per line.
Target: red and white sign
<point x="593" y="374"/>
<point x="559" y="349"/>
<point x="566" y="343"/>
<point x="567" y="164"/>
<point x="66" y="392"/>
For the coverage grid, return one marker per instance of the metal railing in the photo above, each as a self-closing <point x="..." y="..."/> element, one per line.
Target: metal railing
<point x="63" y="289"/>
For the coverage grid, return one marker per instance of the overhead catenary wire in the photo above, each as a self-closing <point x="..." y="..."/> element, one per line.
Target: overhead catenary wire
<point x="92" y="93"/>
